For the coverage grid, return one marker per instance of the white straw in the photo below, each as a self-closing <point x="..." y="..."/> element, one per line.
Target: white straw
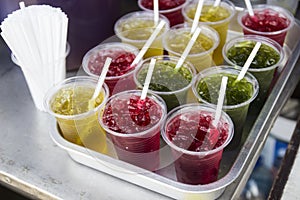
<point x="156" y="11"/>
<point x="249" y="61"/>
<point x="148" y="78"/>
<point x="188" y="48"/>
<point x="217" y="3"/>
<point x="22" y="5"/>
<point x="220" y="101"/>
<point x="102" y="78"/>
<point x="148" y="43"/>
<point x="197" y="16"/>
<point x="249" y="7"/>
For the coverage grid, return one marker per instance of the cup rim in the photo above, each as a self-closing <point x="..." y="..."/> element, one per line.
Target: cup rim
<point x="193" y="106"/>
<point x="213" y="35"/>
<point x="156" y="98"/>
<point x="284" y="12"/>
<point x="257" y="38"/>
<point x="228" y="4"/>
<point x="141" y="14"/>
<point x="101" y="46"/>
<point x="190" y="67"/>
<point x="226" y="69"/>
<point x="69" y="82"/>
<point x="162" y="11"/>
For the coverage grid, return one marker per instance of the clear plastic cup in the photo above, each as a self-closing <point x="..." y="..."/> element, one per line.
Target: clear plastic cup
<point x="279" y="21"/>
<point x="177" y="38"/>
<point x="135" y="28"/>
<point x="166" y="8"/>
<point x="225" y="12"/>
<point x="76" y="116"/>
<point x="238" y="97"/>
<point x="134" y="127"/>
<point x="197" y="150"/>
<point x="263" y="74"/>
<point x="120" y="75"/>
<point x="173" y="86"/>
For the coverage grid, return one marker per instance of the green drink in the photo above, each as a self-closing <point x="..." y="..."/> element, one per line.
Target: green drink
<point x="172" y="85"/>
<point x="176" y="40"/>
<point x="77" y="116"/>
<point x="216" y="17"/>
<point x="263" y="66"/>
<point x="239" y="94"/>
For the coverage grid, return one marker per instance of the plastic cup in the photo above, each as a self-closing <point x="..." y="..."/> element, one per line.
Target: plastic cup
<point x="135" y="28"/>
<point x="133" y="126"/>
<point x="187" y="132"/>
<point x="269" y="21"/>
<point x="120" y="75"/>
<point x="173" y="86"/>
<point x="263" y="66"/>
<point x="217" y="18"/>
<point x="169" y="8"/>
<point x="68" y="102"/>
<point x="177" y="38"/>
<point x="238" y="97"/>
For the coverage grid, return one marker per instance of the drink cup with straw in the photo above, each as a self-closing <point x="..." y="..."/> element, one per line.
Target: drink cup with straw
<point x="75" y="104"/>
<point x="197" y="135"/>
<point x="132" y="120"/>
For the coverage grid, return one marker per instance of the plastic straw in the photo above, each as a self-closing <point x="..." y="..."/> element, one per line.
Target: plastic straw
<point x="220" y="101"/>
<point x="197" y="16"/>
<point x="148" y="43"/>
<point x="249" y="8"/>
<point x="188" y="48"/>
<point x="217" y="3"/>
<point x="249" y="61"/>
<point x="148" y="78"/>
<point x="156" y="11"/>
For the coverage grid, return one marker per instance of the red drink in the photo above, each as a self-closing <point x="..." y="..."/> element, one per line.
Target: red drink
<point x="196" y="146"/>
<point x="269" y="21"/>
<point x="169" y="8"/>
<point x="120" y="73"/>
<point x="133" y="125"/>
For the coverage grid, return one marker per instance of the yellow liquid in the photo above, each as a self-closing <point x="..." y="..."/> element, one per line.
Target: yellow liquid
<point x="141" y="29"/>
<point x="214" y="14"/>
<point x="85" y="131"/>
<point x="177" y="42"/>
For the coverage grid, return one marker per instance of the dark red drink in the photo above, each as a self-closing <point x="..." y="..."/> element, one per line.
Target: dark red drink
<point x="120" y="73"/>
<point x="196" y="146"/>
<point x="134" y="125"/>
<point x="169" y="8"/>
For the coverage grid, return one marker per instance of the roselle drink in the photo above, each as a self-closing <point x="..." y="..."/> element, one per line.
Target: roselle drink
<point x="133" y="125"/>
<point x="172" y="85"/>
<point x="77" y="116"/>
<point x="120" y="72"/>
<point x="177" y="38"/>
<point x="216" y="17"/>
<point x="239" y="94"/>
<point x="264" y="64"/>
<point x="196" y="146"/>
<point x="169" y="8"/>
<point x="268" y="20"/>
<point x="135" y="28"/>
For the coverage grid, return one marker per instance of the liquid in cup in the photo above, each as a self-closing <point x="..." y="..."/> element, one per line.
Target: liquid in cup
<point x="133" y="125"/>
<point x="170" y="84"/>
<point x="135" y="28"/>
<point x="120" y="73"/>
<point x="177" y="38"/>
<point x="77" y="119"/>
<point x="169" y="8"/>
<point x="239" y="94"/>
<point x="264" y="65"/>
<point x="268" y="21"/>
<point x="217" y="17"/>
<point x="188" y="132"/>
